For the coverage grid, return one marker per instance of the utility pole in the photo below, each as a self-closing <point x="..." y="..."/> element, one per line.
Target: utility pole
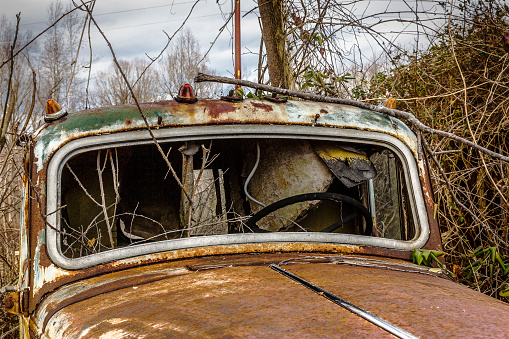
<point x="237" y="42"/>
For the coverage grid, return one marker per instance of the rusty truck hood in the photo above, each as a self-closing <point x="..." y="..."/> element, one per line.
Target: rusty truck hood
<point x="240" y="296"/>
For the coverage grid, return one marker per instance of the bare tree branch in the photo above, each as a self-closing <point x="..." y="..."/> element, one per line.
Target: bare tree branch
<point x="38" y="35"/>
<point x="8" y="109"/>
<point x="381" y="109"/>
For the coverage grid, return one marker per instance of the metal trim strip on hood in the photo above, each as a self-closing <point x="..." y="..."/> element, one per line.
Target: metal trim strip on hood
<point x="375" y="320"/>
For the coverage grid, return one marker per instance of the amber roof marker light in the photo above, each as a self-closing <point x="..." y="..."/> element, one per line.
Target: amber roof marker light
<point x="390" y="103"/>
<point x="186" y="95"/>
<point x="53" y="111"/>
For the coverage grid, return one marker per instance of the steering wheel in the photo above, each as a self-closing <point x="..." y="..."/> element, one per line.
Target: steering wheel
<point x="251" y="223"/>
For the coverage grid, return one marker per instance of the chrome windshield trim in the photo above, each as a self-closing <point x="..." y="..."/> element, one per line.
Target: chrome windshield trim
<point x="77" y="146"/>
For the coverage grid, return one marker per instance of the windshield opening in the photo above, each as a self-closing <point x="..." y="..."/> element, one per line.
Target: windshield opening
<point x="125" y="196"/>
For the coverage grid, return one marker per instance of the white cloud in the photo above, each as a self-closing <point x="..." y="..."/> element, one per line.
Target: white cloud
<point x="135" y="29"/>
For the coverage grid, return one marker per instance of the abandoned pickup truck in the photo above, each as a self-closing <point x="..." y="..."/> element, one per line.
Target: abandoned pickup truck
<point x="211" y="218"/>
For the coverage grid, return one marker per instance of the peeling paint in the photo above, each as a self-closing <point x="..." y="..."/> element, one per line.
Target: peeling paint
<point x="170" y="113"/>
<point x="42" y="274"/>
<point x="24" y="255"/>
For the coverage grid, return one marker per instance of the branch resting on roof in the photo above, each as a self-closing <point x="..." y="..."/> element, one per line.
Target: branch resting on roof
<point x="414" y="122"/>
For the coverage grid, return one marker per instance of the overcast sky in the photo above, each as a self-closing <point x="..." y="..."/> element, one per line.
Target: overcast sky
<point x="135" y="28"/>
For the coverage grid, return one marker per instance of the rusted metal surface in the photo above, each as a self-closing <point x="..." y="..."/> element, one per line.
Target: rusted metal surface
<point x="232" y="97"/>
<point x="24" y="249"/>
<point x="85" y="289"/>
<point x="287" y="258"/>
<point x="173" y="114"/>
<point x="12" y="304"/>
<point x="17" y="302"/>
<point x="275" y="98"/>
<point x="228" y="290"/>
<point x="60" y="277"/>
<point x="113" y="282"/>
<point x="358" y="311"/>
<point x="239" y="301"/>
<point x="426" y="306"/>
<point x="240" y="296"/>
<point x="434" y="240"/>
<point x="35" y="228"/>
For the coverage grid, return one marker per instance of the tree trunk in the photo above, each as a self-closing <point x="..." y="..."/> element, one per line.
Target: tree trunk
<point x="273" y="34"/>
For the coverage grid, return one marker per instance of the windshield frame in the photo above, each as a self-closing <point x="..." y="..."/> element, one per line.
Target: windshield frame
<point x="140" y="137"/>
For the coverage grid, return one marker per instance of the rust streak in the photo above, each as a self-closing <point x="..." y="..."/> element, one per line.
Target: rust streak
<point x="219" y="107"/>
<point x="434" y="241"/>
<point x="262" y="106"/>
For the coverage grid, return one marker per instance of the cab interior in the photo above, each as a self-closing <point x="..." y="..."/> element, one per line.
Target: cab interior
<point x="124" y="196"/>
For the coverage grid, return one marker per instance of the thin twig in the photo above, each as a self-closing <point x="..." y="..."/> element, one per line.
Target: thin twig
<point x="147" y="125"/>
<point x="38" y="35"/>
<point x="452" y="192"/>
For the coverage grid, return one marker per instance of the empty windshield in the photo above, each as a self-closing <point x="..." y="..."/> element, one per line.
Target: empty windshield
<point x="124" y="196"/>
